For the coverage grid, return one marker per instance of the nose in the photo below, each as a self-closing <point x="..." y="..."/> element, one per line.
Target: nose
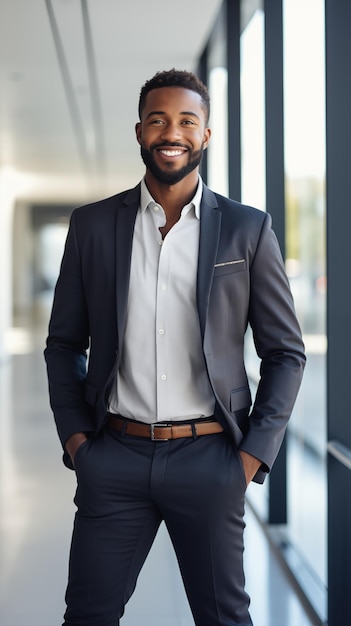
<point x="171" y="131"/>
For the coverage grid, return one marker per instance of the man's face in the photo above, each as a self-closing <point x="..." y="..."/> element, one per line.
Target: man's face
<point x="172" y="133"/>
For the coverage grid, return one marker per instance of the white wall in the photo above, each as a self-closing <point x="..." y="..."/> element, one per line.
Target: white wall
<point x="7" y="201"/>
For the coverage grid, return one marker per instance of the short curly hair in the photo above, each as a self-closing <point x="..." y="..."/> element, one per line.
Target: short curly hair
<point x="176" y="78"/>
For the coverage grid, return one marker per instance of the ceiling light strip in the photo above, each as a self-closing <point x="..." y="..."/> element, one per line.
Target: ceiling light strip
<point x="69" y="90"/>
<point x="94" y="89"/>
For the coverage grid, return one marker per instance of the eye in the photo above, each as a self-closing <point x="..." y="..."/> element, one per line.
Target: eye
<point x="156" y="122"/>
<point x="188" y="122"/>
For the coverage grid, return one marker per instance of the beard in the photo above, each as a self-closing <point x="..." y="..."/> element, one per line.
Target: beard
<point x="170" y="177"/>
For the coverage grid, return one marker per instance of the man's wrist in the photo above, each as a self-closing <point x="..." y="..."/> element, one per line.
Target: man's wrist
<point x="251" y="465"/>
<point x="74" y="442"/>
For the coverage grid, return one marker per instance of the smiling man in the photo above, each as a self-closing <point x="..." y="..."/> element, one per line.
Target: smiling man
<point x="160" y="282"/>
<point x="173" y="153"/>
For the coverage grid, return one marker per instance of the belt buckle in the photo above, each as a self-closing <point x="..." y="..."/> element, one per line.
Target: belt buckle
<point x="152" y="431"/>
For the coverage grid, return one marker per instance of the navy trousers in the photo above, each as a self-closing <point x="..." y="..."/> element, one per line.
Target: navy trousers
<point x="126" y="487"/>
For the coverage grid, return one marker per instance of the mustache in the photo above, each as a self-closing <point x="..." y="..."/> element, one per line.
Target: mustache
<point x="168" y="144"/>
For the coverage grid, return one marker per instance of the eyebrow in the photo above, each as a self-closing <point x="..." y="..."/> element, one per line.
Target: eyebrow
<point x="192" y="113"/>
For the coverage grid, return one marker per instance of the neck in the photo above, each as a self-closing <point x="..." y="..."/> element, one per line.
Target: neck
<point x="172" y="198"/>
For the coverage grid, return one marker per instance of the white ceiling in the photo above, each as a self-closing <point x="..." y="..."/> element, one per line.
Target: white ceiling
<point x="70" y="76"/>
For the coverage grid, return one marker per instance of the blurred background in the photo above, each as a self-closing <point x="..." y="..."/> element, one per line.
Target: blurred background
<point x="277" y="72"/>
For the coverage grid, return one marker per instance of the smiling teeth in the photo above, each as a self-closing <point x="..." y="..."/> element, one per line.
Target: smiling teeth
<point x="171" y="152"/>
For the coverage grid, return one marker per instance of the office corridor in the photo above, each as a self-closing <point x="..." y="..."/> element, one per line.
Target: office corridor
<point x="36" y="494"/>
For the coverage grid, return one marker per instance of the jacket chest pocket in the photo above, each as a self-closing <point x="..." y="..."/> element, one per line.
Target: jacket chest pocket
<point x="229" y="267"/>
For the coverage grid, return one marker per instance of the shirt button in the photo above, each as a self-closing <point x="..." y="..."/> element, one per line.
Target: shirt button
<point x="163" y="377"/>
<point x="156" y="208"/>
<point x="161" y="331"/>
<point x="164" y="287"/>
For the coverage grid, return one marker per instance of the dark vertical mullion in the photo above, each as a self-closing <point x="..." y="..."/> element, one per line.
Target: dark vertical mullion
<point x="234" y="119"/>
<point x="338" y="133"/>
<point x="275" y="200"/>
<point x="202" y="73"/>
<point x="275" y="174"/>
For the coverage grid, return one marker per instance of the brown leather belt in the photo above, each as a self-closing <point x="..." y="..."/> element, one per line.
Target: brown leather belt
<point x="163" y="432"/>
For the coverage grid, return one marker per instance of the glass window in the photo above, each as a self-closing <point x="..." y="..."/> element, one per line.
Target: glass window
<point x="304" y="139"/>
<point x="253" y="163"/>
<point x="217" y="82"/>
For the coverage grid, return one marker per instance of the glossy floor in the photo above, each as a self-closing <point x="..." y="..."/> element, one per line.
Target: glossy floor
<point x="36" y="518"/>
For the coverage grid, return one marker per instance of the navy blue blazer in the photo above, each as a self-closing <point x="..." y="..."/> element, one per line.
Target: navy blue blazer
<point x="241" y="280"/>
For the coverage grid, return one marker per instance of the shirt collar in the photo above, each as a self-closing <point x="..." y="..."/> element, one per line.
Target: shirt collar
<point x="146" y="197"/>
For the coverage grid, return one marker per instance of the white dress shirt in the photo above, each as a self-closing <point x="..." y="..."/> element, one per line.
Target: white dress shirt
<point x="162" y="376"/>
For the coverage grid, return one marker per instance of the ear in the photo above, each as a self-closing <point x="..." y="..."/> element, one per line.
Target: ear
<point x="207" y="135"/>
<point x="138" y="132"/>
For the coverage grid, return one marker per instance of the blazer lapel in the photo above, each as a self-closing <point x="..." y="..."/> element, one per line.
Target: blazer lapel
<point x="210" y="224"/>
<point x="125" y="221"/>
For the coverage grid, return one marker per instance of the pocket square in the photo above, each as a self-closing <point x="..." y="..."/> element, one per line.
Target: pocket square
<point x="230" y="263"/>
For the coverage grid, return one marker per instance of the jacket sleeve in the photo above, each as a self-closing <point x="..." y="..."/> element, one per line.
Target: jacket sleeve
<point x="279" y="345"/>
<point x="67" y="344"/>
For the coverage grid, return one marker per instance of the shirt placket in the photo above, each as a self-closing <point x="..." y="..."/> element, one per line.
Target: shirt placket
<point x="162" y="303"/>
